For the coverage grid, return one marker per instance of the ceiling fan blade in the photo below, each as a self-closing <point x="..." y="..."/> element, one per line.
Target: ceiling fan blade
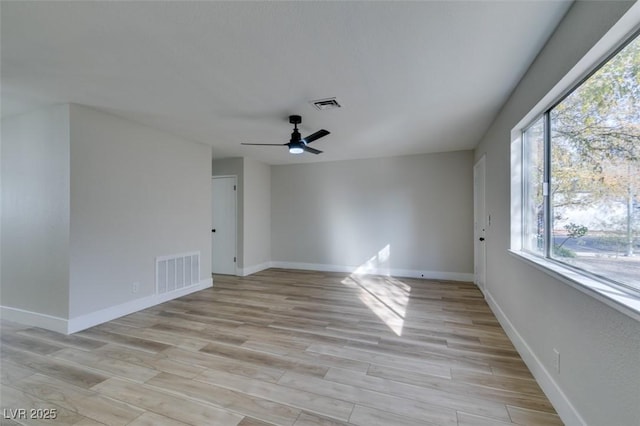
<point x="317" y="135"/>
<point x="311" y="150"/>
<point x="264" y="144"/>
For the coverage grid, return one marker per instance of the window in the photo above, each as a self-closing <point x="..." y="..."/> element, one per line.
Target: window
<point x="581" y="175"/>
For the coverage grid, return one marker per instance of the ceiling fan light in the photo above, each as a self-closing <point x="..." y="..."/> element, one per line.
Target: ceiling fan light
<point x="296" y="149"/>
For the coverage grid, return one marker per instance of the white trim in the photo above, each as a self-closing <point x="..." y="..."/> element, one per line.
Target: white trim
<point x="34" y="319"/>
<point x="243" y="272"/>
<point x="550" y="387"/>
<point x="407" y="273"/>
<point x="516" y="200"/>
<point x="107" y="314"/>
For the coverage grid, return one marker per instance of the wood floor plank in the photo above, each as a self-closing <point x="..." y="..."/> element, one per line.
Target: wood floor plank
<point x="436" y="356"/>
<point x="134" y="342"/>
<point x="536" y="402"/>
<point x="107" y="410"/>
<point x="11" y="372"/>
<point x="106" y="365"/>
<point x="176" y="408"/>
<point x="354" y="335"/>
<point x="237" y="402"/>
<point x="442" y="398"/>
<point x="283" y="347"/>
<point x="326" y="406"/>
<point x="158" y="362"/>
<point x="511" y="384"/>
<point x="367" y="416"/>
<point x="407" y="407"/>
<point x="380" y="359"/>
<point x="79" y="400"/>
<point x="53" y="390"/>
<point x="88" y="422"/>
<point x="330" y="361"/>
<point x="213" y="362"/>
<point x="165" y="340"/>
<point x="12" y="398"/>
<point x="72" y="374"/>
<point x="27" y="344"/>
<point x="309" y="419"/>
<point x="466" y="419"/>
<point x="203" y="333"/>
<point x="523" y="416"/>
<point x="263" y="359"/>
<point x="249" y="421"/>
<point x="150" y="418"/>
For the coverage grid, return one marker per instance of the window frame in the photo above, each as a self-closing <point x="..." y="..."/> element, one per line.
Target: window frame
<point x="614" y="294"/>
<point x="525" y="182"/>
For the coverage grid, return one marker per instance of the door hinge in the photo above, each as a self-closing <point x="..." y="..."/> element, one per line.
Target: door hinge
<point x="234" y="260"/>
<point x="234" y="187"/>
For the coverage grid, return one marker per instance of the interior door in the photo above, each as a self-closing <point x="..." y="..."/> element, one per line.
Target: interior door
<point x="480" y="224"/>
<point x="223" y="229"/>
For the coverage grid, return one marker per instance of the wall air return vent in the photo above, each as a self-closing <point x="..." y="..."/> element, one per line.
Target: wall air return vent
<point x="177" y="271"/>
<point x="323" y="104"/>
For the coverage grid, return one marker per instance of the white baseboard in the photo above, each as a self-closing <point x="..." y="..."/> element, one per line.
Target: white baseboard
<point x="83" y="322"/>
<point x="407" y="273"/>
<point x="561" y="403"/>
<point x="34" y="319"/>
<point x="243" y="272"/>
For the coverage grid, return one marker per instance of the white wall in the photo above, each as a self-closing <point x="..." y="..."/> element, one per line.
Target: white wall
<point x="404" y="215"/>
<point x="35" y="213"/>
<point x="256" y="216"/>
<point x="136" y="193"/>
<point x="599" y="379"/>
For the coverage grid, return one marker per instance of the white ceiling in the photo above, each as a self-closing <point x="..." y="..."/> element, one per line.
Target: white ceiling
<point x="413" y="77"/>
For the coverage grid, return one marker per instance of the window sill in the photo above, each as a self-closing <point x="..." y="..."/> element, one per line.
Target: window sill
<point x="618" y="299"/>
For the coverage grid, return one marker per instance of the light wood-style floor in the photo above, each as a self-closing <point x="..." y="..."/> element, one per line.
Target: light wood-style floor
<point x="285" y="348"/>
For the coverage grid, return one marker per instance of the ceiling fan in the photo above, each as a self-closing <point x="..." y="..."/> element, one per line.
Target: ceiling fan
<point x="297" y="144"/>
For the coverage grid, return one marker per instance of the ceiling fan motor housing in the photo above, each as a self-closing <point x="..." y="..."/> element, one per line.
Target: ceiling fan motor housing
<point x="295" y="136"/>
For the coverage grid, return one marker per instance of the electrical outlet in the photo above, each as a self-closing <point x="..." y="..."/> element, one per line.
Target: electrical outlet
<point x="556" y="360"/>
<point x="135" y="287"/>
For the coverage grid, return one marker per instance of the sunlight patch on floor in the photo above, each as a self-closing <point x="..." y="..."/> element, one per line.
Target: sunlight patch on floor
<point x="385" y="296"/>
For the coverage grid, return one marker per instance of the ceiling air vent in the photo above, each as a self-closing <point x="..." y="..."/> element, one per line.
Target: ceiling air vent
<point x="323" y="104"/>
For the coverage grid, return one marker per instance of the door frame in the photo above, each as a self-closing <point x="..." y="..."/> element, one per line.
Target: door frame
<point x="480" y="274"/>
<point x="235" y="233"/>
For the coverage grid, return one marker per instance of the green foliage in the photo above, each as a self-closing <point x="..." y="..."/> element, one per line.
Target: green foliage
<point x="575" y="231"/>
<point x="560" y="251"/>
